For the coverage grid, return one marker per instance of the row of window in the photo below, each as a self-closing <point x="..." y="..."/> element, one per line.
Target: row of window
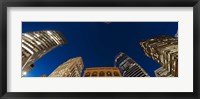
<point x="158" y="42"/>
<point x="101" y="73"/>
<point x="41" y="40"/>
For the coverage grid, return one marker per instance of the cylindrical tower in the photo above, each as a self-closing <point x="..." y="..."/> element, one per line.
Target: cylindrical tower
<point x="38" y="43"/>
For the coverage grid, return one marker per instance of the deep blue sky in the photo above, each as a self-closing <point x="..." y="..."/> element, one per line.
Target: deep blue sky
<point x="98" y="43"/>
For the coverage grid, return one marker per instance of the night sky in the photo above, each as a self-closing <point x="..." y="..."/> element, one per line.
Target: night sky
<point x="98" y="43"/>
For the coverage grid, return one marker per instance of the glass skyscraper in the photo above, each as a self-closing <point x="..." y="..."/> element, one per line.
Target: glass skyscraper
<point x="128" y="67"/>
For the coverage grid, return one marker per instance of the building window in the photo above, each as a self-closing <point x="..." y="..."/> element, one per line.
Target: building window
<point x="87" y="74"/>
<point x="94" y="74"/>
<point x="109" y="73"/>
<point x="101" y="73"/>
<point x="116" y="73"/>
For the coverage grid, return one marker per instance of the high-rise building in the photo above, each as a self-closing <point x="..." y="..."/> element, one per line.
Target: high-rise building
<point x="128" y="67"/>
<point x="102" y="72"/>
<point x="36" y="44"/>
<point x="70" y="68"/>
<point x="164" y="50"/>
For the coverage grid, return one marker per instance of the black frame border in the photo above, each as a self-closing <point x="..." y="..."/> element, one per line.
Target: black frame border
<point x="99" y="3"/>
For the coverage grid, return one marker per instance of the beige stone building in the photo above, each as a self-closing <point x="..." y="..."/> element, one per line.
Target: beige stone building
<point x="164" y="50"/>
<point x="102" y="72"/>
<point x="71" y="68"/>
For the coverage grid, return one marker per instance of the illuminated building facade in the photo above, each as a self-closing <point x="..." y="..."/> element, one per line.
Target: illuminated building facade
<point x="164" y="50"/>
<point x="70" y="68"/>
<point x="102" y="72"/>
<point x="128" y="67"/>
<point x="36" y="44"/>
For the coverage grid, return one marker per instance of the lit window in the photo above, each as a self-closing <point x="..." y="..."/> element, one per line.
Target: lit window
<point x="49" y="32"/>
<point x="38" y="42"/>
<point x="101" y="73"/>
<point x="109" y="73"/>
<point x="87" y="74"/>
<point x="116" y="73"/>
<point x="37" y="35"/>
<point x="94" y="74"/>
<point x="28" y="36"/>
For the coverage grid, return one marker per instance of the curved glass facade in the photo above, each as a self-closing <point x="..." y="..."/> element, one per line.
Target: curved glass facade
<point x="38" y="43"/>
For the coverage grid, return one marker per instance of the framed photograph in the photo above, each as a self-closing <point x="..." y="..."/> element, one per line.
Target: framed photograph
<point x="109" y="49"/>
